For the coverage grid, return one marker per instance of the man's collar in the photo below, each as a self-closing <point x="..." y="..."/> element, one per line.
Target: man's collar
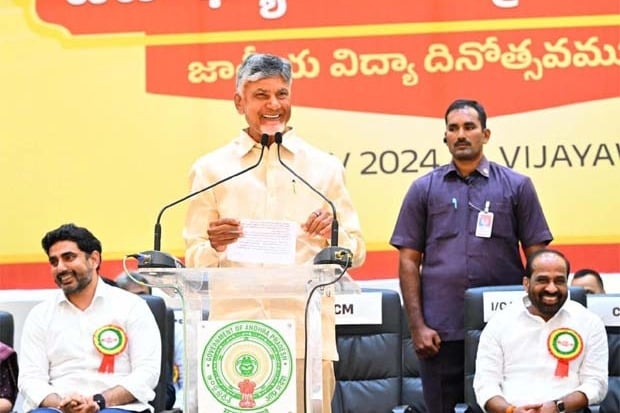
<point x="482" y="168"/>
<point x="290" y="140"/>
<point x="99" y="292"/>
<point x="566" y="307"/>
<point x="245" y="143"/>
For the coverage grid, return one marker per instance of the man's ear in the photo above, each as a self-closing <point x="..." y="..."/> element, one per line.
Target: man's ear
<point x="95" y="256"/>
<point x="487" y="134"/>
<point x="526" y="283"/>
<point x="238" y="103"/>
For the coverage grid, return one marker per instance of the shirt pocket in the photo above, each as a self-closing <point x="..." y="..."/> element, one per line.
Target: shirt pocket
<point x="442" y="222"/>
<point x="504" y="222"/>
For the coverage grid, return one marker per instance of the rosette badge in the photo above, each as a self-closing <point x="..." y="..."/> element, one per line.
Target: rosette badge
<point x="109" y="340"/>
<point x="565" y="345"/>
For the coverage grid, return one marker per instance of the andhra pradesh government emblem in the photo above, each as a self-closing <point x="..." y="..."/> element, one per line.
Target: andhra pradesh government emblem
<point x="246" y="365"/>
<point x="109" y="340"/>
<point x="564" y="344"/>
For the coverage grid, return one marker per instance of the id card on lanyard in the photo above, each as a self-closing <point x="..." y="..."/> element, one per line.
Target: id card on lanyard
<point x="484" y="225"/>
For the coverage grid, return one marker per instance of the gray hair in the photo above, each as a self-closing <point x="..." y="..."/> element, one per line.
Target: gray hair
<point x="262" y="66"/>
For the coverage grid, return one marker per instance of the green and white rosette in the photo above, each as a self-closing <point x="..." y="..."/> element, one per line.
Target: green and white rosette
<point x="565" y="344"/>
<point x="109" y="340"/>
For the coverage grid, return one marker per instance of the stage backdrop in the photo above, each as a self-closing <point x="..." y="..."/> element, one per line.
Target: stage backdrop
<point x="106" y="104"/>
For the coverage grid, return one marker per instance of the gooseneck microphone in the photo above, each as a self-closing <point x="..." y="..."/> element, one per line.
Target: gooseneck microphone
<point x="332" y="254"/>
<point x="158" y="259"/>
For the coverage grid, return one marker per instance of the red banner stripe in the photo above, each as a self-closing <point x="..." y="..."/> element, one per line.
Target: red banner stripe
<point x="605" y="258"/>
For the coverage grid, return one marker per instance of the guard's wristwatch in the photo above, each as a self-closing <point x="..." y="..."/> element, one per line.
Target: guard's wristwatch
<point x="100" y="400"/>
<point x="559" y="404"/>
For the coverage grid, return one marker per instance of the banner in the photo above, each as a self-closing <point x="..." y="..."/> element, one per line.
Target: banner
<point x="107" y="103"/>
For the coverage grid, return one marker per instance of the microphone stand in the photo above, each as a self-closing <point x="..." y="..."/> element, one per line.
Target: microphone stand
<point x="332" y="254"/>
<point x="158" y="259"/>
<point x="329" y="255"/>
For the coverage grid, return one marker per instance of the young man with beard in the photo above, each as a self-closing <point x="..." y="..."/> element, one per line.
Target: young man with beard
<point x="547" y="354"/>
<point x="92" y="347"/>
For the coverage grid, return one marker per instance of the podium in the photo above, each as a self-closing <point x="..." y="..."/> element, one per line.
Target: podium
<point x="245" y="333"/>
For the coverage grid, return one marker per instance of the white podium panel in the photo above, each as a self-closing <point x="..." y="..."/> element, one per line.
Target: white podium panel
<point x="244" y="329"/>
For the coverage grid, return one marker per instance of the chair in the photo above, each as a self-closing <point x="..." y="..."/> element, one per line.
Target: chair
<point x="170" y="339"/>
<point x="165" y="321"/>
<point x="7" y="328"/>
<point x="368" y="374"/>
<point x="474" y="323"/>
<point x="611" y="402"/>
<point x="412" y="396"/>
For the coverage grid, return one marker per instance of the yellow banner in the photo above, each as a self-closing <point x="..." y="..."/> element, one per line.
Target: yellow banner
<point x="84" y="141"/>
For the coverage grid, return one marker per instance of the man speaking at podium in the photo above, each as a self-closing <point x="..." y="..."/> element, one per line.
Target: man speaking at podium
<point x="269" y="191"/>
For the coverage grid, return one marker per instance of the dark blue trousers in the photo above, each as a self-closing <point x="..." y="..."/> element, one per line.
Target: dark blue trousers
<point x="443" y="377"/>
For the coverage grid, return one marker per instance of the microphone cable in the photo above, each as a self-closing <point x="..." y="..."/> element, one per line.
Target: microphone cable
<point x="312" y="291"/>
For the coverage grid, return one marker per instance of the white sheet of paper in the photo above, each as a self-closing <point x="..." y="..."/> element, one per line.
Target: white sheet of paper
<point x="265" y="242"/>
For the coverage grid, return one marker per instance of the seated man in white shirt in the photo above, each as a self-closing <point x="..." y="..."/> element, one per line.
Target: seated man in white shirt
<point x="548" y="354"/>
<point x="92" y="347"/>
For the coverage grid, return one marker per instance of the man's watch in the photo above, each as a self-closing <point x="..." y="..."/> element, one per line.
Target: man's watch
<point x="559" y="404"/>
<point x="100" y="400"/>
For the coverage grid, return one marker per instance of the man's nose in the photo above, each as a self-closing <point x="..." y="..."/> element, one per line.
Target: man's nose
<point x="551" y="287"/>
<point x="274" y="102"/>
<point x="60" y="267"/>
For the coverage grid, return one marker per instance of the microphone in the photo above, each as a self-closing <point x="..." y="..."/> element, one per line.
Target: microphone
<point x="158" y="259"/>
<point x="332" y="254"/>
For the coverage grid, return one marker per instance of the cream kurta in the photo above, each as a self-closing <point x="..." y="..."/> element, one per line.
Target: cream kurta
<point x="271" y="192"/>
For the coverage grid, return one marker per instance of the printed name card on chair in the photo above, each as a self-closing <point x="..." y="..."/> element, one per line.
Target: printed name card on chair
<point x="607" y="306"/>
<point x="495" y="301"/>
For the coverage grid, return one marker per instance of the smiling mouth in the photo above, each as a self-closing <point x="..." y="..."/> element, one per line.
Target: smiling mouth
<point x="550" y="299"/>
<point x="271" y="117"/>
<point x="64" y="278"/>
